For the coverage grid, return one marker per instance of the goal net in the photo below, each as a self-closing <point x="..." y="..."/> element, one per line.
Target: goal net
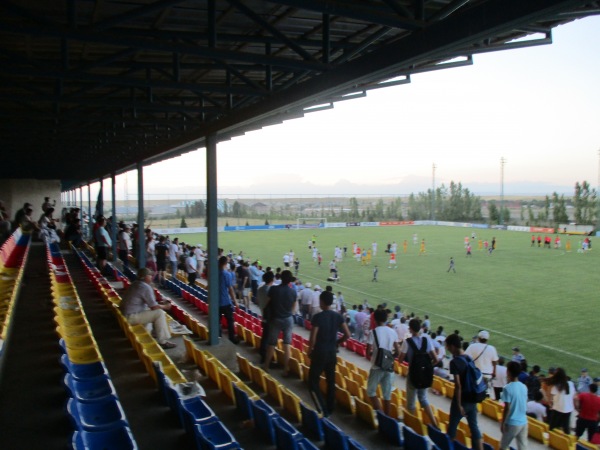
<point x="311" y="222"/>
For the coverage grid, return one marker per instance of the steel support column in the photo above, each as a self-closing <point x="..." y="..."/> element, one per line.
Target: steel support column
<point x="90" y="222"/>
<point x="141" y="237"/>
<point x="212" y="239"/>
<point x="113" y="223"/>
<point x="81" y="206"/>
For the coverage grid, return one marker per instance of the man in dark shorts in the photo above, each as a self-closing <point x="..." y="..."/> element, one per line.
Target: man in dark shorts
<point x="281" y="307"/>
<point x="161" y="249"/>
<point x="322" y="350"/>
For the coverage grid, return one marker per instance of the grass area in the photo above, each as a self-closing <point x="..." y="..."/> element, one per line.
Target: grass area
<point x="538" y="299"/>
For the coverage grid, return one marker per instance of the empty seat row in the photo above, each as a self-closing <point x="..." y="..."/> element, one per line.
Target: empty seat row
<point x="93" y="406"/>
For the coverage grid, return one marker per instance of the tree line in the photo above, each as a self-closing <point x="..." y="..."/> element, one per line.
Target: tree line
<point x="452" y="203"/>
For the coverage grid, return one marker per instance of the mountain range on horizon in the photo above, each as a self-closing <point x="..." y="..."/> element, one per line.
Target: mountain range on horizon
<point x="402" y="188"/>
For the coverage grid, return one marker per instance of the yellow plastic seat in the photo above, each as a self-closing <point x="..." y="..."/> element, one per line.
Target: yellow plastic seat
<point x="558" y="440"/>
<point x="353" y="387"/>
<point x="345" y="399"/>
<point x="291" y="403"/>
<point x="84" y="355"/>
<point x="274" y="389"/>
<point x="495" y="443"/>
<point x="492" y="409"/>
<point x="365" y="412"/>
<point x="243" y="365"/>
<point x="258" y="377"/>
<point x="414" y="422"/>
<point x="538" y="430"/>
<point x="296" y="368"/>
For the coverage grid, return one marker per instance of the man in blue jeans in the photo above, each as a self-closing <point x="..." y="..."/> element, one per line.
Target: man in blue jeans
<point x="461" y="405"/>
<point x="227" y="300"/>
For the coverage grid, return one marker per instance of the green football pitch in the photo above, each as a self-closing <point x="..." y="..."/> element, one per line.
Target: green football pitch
<point x="544" y="301"/>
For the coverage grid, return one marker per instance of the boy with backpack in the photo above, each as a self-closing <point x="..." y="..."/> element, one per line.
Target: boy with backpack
<point x="467" y="381"/>
<point x="419" y="352"/>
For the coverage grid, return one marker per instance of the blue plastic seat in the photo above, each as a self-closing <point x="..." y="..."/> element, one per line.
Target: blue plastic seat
<point x="114" y="439"/>
<point x="415" y="441"/>
<point x="305" y="444"/>
<point x="89" y="390"/>
<point x="286" y="436"/>
<point x="459" y="445"/>
<point x="353" y="445"/>
<point x="214" y="435"/>
<point x="389" y="428"/>
<point x="242" y="402"/>
<point x="84" y="371"/>
<point x="195" y="412"/>
<point x="102" y="415"/>
<point x="312" y="422"/>
<point x="441" y="440"/>
<point x="263" y="419"/>
<point x="335" y="438"/>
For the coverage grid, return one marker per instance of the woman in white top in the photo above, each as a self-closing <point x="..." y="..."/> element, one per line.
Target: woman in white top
<point x="562" y="403"/>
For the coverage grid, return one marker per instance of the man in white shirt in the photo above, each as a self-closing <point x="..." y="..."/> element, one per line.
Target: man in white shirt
<point x="191" y="268"/>
<point x="499" y="381"/>
<point x="484" y="355"/>
<point x="316" y="302"/>
<point x="306" y="300"/>
<point x="386" y="339"/>
<point x="199" y="255"/>
<point x="174" y="255"/>
<point x="124" y="245"/>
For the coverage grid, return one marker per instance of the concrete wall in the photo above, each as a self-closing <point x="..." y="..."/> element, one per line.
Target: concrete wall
<point x="15" y="193"/>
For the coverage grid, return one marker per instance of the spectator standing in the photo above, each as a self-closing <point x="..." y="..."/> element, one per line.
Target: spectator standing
<point x="514" y="417"/>
<point x="562" y="403"/>
<point x="281" y="306"/>
<point x="306" y="298"/>
<point x="262" y="299"/>
<point x="462" y="405"/>
<point x="536" y="409"/>
<point x="323" y="343"/>
<point x="584" y="381"/>
<point x="517" y="355"/>
<point x="124" y="244"/>
<point x="226" y="298"/>
<point x="191" y="267"/>
<point x="500" y="380"/>
<point x="173" y="256"/>
<point x="484" y="355"/>
<point x="417" y="344"/>
<point x="386" y="339"/>
<point x="103" y="243"/>
<point x="588" y="406"/>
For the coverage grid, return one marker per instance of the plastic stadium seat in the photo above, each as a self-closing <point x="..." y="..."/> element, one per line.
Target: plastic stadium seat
<point x="97" y="416"/>
<point x="286" y="436"/>
<point x="353" y="445"/>
<point x="335" y="438"/>
<point x="90" y="390"/>
<point x="242" y="402"/>
<point x="196" y="412"/>
<point x="214" y="435"/>
<point x="389" y="428"/>
<point x="441" y="440"/>
<point x="312" y="422"/>
<point x="263" y="419"/>
<point x="114" y="439"/>
<point x="365" y="412"/>
<point x="84" y="371"/>
<point x="415" y="441"/>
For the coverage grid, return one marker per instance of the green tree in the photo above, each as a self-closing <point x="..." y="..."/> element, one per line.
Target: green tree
<point x="225" y="208"/>
<point x="353" y="208"/>
<point x="379" y="213"/>
<point x="183" y="224"/>
<point x="494" y="215"/>
<point x="559" y="210"/>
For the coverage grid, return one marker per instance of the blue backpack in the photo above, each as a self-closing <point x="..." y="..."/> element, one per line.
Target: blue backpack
<point x="475" y="387"/>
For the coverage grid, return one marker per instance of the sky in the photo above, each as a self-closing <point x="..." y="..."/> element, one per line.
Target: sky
<point x="538" y="108"/>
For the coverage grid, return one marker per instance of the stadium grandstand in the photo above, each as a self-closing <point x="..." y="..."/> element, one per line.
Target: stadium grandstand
<point x="94" y="89"/>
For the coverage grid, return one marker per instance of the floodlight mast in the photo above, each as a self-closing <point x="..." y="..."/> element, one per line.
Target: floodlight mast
<point x="433" y="167"/>
<point x="502" y="163"/>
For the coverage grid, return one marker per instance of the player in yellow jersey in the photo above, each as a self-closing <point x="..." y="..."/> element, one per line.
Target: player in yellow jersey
<point x="422" y="248"/>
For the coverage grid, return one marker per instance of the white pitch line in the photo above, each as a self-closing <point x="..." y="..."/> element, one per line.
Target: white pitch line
<point x="585" y="358"/>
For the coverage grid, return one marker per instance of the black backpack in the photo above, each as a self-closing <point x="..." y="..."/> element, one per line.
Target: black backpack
<point x="420" y="369"/>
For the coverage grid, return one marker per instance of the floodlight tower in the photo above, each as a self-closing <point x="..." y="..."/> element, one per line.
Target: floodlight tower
<point x="502" y="163"/>
<point x="433" y="167"/>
